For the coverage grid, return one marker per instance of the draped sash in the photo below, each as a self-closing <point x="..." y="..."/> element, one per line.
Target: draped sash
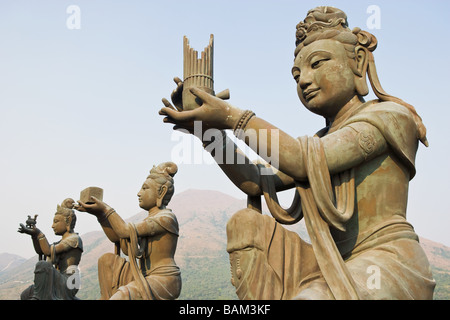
<point x="324" y="207"/>
<point x="322" y="202"/>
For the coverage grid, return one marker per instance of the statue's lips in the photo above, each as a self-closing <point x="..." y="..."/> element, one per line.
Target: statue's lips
<point x="311" y="93"/>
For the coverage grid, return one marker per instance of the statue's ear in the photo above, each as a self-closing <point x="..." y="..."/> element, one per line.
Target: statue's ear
<point x="68" y="222"/>
<point x="362" y="61"/>
<point x="161" y="194"/>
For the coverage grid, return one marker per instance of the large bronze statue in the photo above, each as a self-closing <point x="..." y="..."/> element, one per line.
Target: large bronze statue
<point x="351" y="178"/>
<point x="56" y="278"/>
<point x="151" y="272"/>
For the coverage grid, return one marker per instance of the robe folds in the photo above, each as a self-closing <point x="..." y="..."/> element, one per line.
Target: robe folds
<point x="134" y="279"/>
<point x="380" y="260"/>
<point x="55" y="279"/>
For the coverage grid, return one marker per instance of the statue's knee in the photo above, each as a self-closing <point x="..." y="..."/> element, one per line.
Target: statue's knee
<point x="42" y="266"/>
<point x="317" y="290"/>
<point x="107" y="259"/>
<point x="244" y="219"/>
<point x="27" y="294"/>
<point x="243" y="230"/>
<point x="247" y="213"/>
<point x="123" y="293"/>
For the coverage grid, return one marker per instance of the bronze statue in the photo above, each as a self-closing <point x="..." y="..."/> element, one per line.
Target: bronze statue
<point x="152" y="241"/>
<point x="351" y="178"/>
<point x="58" y="277"/>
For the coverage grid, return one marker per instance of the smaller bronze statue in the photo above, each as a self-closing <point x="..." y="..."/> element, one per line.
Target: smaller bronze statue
<point x="150" y="272"/>
<point x="57" y="277"/>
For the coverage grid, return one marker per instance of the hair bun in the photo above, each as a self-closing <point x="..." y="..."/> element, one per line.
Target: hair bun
<point x="171" y="168"/>
<point x="366" y="39"/>
<point x="165" y="168"/>
<point x="68" y="203"/>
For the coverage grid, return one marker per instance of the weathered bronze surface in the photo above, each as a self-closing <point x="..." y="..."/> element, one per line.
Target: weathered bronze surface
<point x="150" y="272"/>
<point x="351" y="178"/>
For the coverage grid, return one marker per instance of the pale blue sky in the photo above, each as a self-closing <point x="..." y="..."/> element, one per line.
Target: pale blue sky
<point x="80" y="107"/>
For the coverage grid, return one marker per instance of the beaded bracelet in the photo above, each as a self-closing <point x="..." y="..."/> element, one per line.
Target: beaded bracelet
<point x="243" y="121"/>
<point x="107" y="214"/>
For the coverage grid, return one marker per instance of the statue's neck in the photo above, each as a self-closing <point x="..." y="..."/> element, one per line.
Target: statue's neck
<point x="346" y="110"/>
<point x="67" y="234"/>
<point x="155" y="210"/>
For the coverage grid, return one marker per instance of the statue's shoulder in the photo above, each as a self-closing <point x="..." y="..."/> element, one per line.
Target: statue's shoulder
<point x="162" y="214"/>
<point x="396" y="123"/>
<point x="388" y="116"/>
<point x="389" y="110"/>
<point x="166" y="219"/>
<point x="73" y="241"/>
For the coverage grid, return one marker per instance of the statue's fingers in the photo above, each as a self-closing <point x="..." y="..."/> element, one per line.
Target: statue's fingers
<point x="178" y="116"/>
<point x="169" y="120"/>
<point x="183" y="129"/>
<point x="202" y="95"/>
<point x="168" y="104"/>
<point x="81" y="207"/>
<point x="181" y="124"/>
<point x="177" y="80"/>
<point x="96" y="200"/>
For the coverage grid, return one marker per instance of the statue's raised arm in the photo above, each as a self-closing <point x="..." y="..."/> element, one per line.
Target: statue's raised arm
<point x="150" y="272"/>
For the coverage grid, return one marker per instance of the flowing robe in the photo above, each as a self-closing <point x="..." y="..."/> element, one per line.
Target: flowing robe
<point x="354" y="207"/>
<point x="148" y="280"/>
<point x="58" y="278"/>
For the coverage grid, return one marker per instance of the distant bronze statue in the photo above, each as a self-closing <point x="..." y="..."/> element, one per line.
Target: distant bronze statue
<point x="351" y="178"/>
<point x="56" y="278"/>
<point x="153" y="242"/>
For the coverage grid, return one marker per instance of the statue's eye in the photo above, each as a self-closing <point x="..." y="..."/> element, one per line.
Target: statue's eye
<point x="318" y="63"/>
<point x="296" y="74"/>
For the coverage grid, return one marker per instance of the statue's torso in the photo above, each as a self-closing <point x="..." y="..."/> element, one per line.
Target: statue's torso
<point x="71" y="256"/>
<point x="381" y="196"/>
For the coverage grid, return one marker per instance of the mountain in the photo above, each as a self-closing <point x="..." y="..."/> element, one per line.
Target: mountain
<point x="9" y="261"/>
<point x="439" y="257"/>
<point x="201" y="253"/>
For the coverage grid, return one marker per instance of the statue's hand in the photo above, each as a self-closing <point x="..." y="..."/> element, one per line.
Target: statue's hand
<point x="214" y="113"/>
<point x="177" y="94"/>
<point x="33" y="231"/>
<point x="96" y="207"/>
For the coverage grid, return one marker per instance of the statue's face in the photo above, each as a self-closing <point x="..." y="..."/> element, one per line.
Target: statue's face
<point x="325" y="81"/>
<point x="147" y="195"/>
<point x="59" y="225"/>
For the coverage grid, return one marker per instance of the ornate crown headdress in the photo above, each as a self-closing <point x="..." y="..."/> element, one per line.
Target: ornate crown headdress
<point x="319" y="18"/>
<point x="326" y="22"/>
